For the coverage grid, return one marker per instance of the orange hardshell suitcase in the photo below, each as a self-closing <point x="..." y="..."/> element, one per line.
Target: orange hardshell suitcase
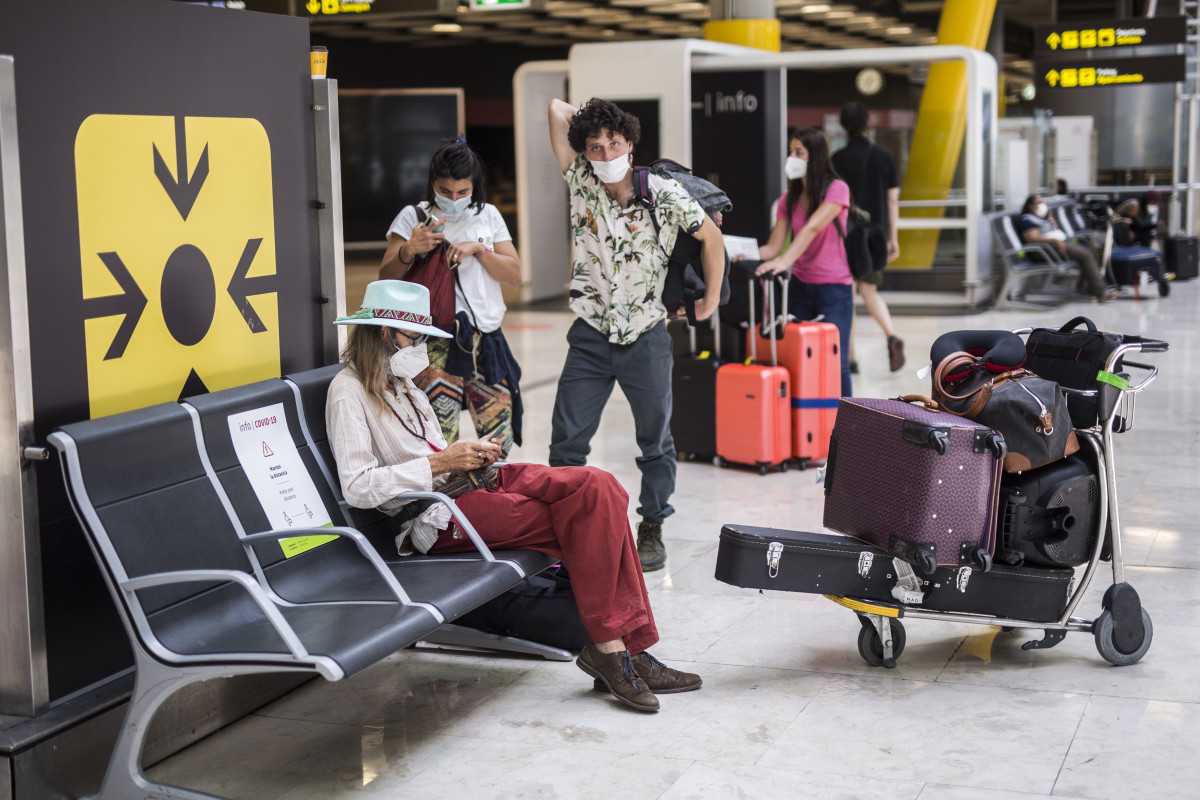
<point x="753" y="411"/>
<point x="809" y="352"/>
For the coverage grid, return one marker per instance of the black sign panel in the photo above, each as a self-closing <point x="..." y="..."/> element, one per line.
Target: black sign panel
<point x="736" y="143"/>
<point x="167" y="180"/>
<point x="1074" y="37"/>
<point x="1114" y="71"/>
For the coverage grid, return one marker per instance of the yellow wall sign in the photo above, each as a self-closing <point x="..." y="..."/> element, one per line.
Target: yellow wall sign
<point x="1108" y="33"/>
<point x="177" y="252"/>
<point x="327" y="7"/>
<point x="1059" y="74"/>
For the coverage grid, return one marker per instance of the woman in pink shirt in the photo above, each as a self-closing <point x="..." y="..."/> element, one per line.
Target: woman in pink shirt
<point x="805" y="240"/>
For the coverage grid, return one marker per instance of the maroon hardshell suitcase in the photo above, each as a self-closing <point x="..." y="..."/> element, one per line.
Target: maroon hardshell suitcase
<point x="921" y="484"/>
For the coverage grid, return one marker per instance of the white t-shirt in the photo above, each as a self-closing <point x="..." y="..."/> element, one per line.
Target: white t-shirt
<point x="483" y="292"/>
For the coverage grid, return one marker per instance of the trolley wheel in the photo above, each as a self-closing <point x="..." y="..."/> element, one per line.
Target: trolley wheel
<point x="762" y="469"/>
<point x="870" y="646"/>
<point x="1105" y="633"/>
<point x="783" y="467"/>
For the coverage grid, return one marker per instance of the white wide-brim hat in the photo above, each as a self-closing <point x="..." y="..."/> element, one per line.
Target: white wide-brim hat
<point x="395" y="304"/>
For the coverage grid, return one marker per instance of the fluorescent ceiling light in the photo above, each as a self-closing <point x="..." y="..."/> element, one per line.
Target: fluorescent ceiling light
<point x="817" y="9"/>
<point x="446" y="27"/>
<point x="678" y="8"/>
<point x="899" y="29"/>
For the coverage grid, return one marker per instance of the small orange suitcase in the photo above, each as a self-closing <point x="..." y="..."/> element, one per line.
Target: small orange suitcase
<point x="809" y="351"/>
<point x="753" y="410"/>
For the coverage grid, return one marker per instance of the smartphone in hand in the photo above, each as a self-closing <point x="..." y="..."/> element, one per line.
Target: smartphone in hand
<point x="435" y="223"/>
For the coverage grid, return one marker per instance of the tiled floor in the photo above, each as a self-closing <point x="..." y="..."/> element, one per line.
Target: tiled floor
<point x="788" y="708"/>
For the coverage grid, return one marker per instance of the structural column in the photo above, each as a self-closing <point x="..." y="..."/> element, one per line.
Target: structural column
<point x="941" y="121"/>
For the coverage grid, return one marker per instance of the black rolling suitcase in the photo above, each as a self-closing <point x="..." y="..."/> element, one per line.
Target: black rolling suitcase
<point x="824" y="563"/>
<point x="694" y="399"/>
<point x="1182" y="254"/>
<point x="1128" y="262"/>
<point x="688" y="340"/>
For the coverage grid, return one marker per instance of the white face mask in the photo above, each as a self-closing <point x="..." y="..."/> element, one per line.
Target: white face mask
<point x="795" y="168"/>
<point x="1042" y="210"/>
<point x="452" y="206"/>
<point x="611" y="171"/>
<point x="1152" y="210"/>
<point x="410" y="362"/>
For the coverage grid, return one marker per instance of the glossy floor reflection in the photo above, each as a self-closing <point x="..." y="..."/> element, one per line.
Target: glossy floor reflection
<point x="788" y="709"/>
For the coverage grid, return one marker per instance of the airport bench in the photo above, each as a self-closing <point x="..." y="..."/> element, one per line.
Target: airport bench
<point x="181" y="503"/>
<point x="1029" y="265"/>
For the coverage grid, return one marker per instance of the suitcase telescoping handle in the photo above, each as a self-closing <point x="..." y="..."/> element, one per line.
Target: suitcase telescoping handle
<point x="769" y="302"/>
<point x="715" y="322"/>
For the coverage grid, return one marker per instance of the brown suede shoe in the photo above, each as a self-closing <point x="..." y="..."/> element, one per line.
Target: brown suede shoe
<point x="660" y="678"/>
<point x="614" y="671"/>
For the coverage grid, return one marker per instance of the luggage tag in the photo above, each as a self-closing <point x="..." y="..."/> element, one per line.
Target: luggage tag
<point x="908" y="586"/>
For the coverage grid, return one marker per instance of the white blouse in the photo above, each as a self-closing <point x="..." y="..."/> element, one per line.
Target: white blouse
<point x="377" y="458"/>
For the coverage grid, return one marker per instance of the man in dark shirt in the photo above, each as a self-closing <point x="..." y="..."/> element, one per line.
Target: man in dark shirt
<point x="870" y="171"/>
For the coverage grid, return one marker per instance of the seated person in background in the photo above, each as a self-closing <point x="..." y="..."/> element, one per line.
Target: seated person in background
<point x="387" y="441"/>
<point x="1137" y="220"/>
<point x="1060" y="186"/>
<point x="1035" y="225"/>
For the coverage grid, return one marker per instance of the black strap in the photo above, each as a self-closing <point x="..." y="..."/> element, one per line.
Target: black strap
<point x="1072" y="324"/>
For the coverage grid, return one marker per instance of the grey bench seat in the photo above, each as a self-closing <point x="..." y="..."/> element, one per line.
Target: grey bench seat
<point x="202" y="584"/>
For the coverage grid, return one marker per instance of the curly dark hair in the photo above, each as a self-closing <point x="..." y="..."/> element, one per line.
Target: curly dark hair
<point x="597" y="116"/>
<point x="456" y="161"/>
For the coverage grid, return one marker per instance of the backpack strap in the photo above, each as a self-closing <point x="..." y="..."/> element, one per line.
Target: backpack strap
<point x="641" y="191"/>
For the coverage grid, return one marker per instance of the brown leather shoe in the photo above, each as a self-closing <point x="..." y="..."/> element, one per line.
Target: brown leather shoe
<point x="660" y="678"/>
<point x="615" y="672"/>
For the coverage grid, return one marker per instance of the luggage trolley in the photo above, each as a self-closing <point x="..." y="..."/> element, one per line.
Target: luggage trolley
<point x="1123" y="629"/>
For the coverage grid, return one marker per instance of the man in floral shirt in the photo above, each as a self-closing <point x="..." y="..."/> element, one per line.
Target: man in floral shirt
<point x="617" y="275"/>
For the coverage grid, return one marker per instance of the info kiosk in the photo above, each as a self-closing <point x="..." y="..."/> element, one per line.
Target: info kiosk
<point x="722" y="110"/>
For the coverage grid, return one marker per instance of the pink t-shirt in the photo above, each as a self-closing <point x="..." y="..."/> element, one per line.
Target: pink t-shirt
<point x="824" y="260"/>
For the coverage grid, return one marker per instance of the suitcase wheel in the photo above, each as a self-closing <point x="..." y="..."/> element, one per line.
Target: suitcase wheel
<point x="783" y="467"/>
<point x="870" y="647"/>
<point x="722" y="463"/>
<point x="763" y="467"/>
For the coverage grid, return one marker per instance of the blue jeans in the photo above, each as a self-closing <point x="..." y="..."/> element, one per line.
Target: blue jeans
<point x="834" y="302"/>
<point x="643" y="371"/>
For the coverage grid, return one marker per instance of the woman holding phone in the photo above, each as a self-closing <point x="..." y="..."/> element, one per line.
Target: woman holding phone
<point x="475" y="369"/>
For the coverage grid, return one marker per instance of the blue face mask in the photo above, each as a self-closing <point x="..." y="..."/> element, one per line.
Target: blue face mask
<point x="452" y="206"/>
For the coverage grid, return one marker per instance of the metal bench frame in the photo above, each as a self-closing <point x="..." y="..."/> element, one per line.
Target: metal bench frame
<point x="312" y="634"/>
<point x="1026" y="262"/>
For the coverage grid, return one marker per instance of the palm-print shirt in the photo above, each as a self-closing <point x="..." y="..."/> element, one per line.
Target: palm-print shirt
<point x="619" y="263"/>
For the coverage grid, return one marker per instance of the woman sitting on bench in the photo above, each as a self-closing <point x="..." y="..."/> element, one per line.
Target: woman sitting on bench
<point x="387" y="441"/>
<point x="1035" y="225"/>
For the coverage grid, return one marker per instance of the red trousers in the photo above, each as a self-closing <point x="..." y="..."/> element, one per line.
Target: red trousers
<point x="578" y="515"/>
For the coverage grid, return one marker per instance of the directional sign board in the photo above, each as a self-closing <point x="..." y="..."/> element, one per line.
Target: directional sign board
<point x="177" y="253"/>
<point x="1073" y="37"/>
<point x="1109" y="71"/>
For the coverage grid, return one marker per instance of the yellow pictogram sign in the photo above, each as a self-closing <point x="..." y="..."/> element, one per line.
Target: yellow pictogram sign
<point x="177" y="251"/>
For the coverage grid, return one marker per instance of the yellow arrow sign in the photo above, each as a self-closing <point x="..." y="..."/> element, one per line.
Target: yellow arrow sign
<point x="1052" y="77"/>
<point x="179" y="284"/>
<point x="1052" y="40"/>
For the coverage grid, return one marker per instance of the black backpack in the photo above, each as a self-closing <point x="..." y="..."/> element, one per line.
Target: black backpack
<point x="684" y="284"/>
